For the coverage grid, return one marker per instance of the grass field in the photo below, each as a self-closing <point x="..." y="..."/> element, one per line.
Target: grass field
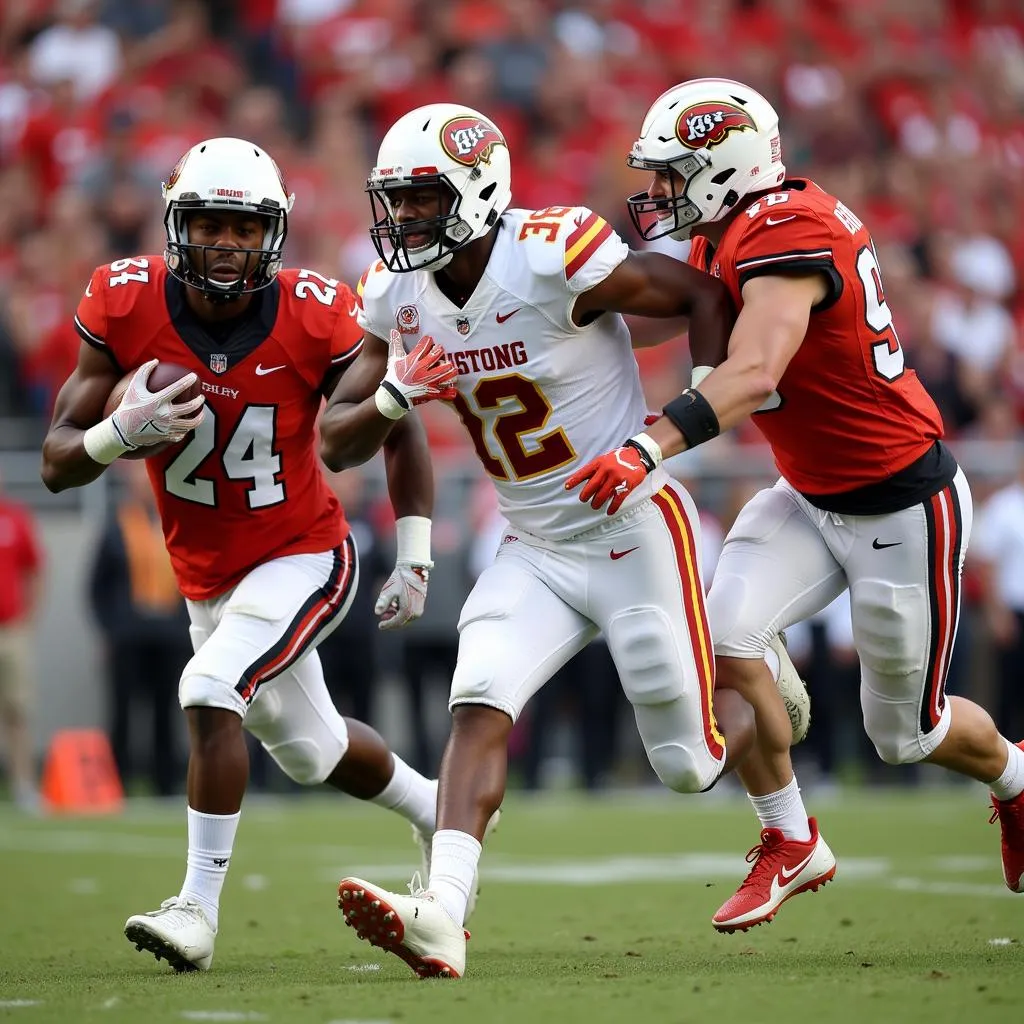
<point x="592" y="910"/>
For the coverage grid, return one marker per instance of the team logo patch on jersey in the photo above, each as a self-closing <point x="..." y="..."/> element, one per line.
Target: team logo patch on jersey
<point x="706" y="125"/>
<point x="408" y="318"/>
<point x="218" y="362"/>
<point x="470" y="140"/>
<point x="462" y="325"/>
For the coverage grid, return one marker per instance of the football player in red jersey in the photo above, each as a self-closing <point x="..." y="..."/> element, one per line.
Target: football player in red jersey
<point x="869" y="497"/>
<point x="258" y="542"/>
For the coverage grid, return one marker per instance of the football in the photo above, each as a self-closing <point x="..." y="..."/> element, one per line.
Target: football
<point x="163" y="374"/>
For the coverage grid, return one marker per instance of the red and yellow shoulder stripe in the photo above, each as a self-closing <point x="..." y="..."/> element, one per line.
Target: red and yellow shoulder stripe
<point x="584" y="241"/>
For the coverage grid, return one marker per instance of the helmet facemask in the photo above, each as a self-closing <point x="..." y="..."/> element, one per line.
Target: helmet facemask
<point x="447" y="231"/>
<point x="190" y="262"/>
<point x="685" y="214"/>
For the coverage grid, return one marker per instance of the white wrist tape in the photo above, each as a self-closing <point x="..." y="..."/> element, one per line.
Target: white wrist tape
<point x="387" y="404"/>
<point x="413" y="535"/>
<point x="650" y="447"/>
<point x="698" y="374"/>
<point x="104" y="442"/>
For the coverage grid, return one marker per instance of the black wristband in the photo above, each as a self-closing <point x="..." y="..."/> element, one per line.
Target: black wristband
<point x="693" y="417"/>
<point x="644" y="457"/>
<point x="396" y="394"/>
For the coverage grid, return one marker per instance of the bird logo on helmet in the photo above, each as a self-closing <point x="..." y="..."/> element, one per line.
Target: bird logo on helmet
<point x="706" y="125"/>
<point x="470" y="140"/>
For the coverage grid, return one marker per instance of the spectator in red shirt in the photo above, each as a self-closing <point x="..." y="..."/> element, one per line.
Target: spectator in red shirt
<point x="20" y="575"/>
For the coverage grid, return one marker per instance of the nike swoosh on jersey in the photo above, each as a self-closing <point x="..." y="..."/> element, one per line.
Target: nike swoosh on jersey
<point x="878" y="547"/>
<point x="262" y="371"/>
<point x="781" y="220"/>
<point x="501" y="319"/>
<point x="615" y="555"/>
<point x="354" y="310"/>
<point x="88" y="290"/>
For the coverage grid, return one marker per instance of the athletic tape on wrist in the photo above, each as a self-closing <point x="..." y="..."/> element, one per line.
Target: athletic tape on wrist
<point x="104" y="442"/>
<point x="412" y="534"/>
<point x="389" y="401"/>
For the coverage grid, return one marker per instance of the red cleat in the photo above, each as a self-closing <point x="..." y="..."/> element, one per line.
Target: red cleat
<point x="782" y="868"/>
<point x="1010" y="815"/>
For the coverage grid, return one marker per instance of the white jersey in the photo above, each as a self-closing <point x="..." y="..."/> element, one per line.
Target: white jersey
<point x="539" y="395"/>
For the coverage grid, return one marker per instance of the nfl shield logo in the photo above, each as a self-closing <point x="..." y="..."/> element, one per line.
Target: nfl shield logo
<point x="218" y="362"/>
<point x="462" y="325"/>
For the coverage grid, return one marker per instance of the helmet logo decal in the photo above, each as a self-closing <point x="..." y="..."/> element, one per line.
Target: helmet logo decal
<point x="708" y="124"/>
<point x="176" y="173"/>
<point x="470" y="140"/>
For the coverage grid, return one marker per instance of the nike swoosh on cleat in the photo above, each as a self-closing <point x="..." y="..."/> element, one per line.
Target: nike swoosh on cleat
<point x="615" y="555"/>
<point x="786" y="875"/>
<point x="878" y="547"/>
<point x="262" y="371"/>
<point x="502" y="318"/>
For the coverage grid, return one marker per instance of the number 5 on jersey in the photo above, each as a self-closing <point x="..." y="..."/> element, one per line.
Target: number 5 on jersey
<point x="248" y="455"/>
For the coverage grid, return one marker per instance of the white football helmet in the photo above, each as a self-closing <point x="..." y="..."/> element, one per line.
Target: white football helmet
<point x="460" y="152"/>
<point x="233" y="175"/>
<point x="721" y="138"/>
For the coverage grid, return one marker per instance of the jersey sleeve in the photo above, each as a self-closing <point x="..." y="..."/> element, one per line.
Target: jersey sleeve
<point x="372" y="314"/>
<point x="592" y="251"/>
<point x="91" y="314"/>
<point x="783" y="239"/>
<point x="347" y="337"/>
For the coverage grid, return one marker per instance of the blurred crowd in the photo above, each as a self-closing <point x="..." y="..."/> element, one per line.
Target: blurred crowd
<point x="912" y="111"/>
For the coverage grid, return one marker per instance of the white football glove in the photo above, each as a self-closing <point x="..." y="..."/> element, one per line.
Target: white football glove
<point x="145" y="417"/>
<point x="403" y="596"/>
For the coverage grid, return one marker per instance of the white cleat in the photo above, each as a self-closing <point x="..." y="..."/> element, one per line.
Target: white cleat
<point x="415" y="927"/>
<point x="423" y="841"/>
<point x="178" y="932"/>
<point x="792" y="690"/>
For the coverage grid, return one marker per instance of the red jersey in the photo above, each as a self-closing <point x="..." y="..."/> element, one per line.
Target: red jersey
<point x="849" y="413"/>
<point x="19" y="558"/>
<point x="246" y="485"/>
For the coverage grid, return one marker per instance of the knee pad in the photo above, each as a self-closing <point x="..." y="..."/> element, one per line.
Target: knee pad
<point x="894" y="731"/>
<point x="679" y="769"/>
<point x="673" y="736"/>
<point x="202" y="686"/>
<point x="643" y="647"/>
<point x="307" y="748"/>
<point x="890" y="626"/>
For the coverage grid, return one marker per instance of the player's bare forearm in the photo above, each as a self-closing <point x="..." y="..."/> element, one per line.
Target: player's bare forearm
<point x="712" y="316"/>
<point x="409" y="470"/>
<point x="65" y="461"/>
<point x="352" y="429"/>
<point x="646" y="332"/>
<point x="762" y="344"/>
<point x="352" y="433"/>
<point x="79" y="405"/>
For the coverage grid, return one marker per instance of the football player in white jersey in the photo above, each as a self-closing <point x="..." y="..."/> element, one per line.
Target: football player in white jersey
<point x="527" y="304"/>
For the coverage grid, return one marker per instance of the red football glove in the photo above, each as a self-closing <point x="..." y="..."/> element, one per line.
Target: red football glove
<point x="415" y="377"/>
<point x="611" y="477"/>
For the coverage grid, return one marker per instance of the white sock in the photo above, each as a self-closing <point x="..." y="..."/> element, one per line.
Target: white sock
<point x="211" y="838"/>
<point x="410" y="795"/>
<point x="1011" y="782"/>
<point x="784" y="810"/>
<point x="453" y="860"/>
<point x="771" y="659"/>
